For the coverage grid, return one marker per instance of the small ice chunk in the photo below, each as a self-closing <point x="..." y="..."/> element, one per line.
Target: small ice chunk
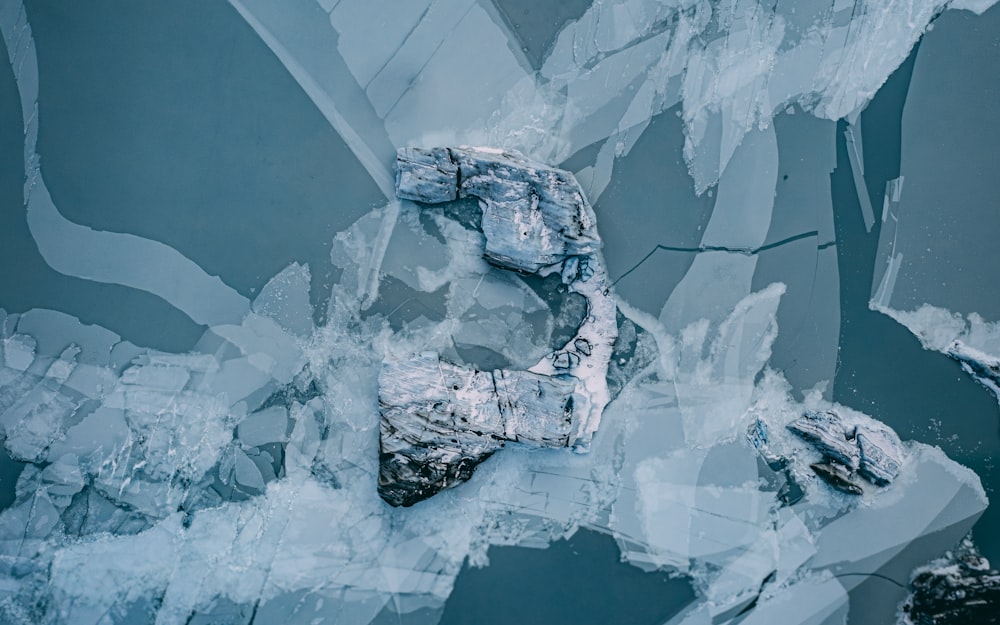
<point x="266" y="426"/>
<point x="246" y="472"/>
<point x="159" y="377"/>
<point x="285" y="299"/>
<point x="35" y="422"/>
<point x="19" y="352"/>
<point x="63" y="479"/>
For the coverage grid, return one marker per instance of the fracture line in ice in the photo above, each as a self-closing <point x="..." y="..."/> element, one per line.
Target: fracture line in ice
<point x="79" y="251"/>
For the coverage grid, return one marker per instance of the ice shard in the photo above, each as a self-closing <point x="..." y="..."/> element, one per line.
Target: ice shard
<point x="440" y="420"/>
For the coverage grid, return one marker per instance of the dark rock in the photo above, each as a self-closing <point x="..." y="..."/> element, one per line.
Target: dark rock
<point x="960" y="589"/>
<point x="983" y="367"/>
<point x="881" y="454"/>
<point x="441" y="420"/>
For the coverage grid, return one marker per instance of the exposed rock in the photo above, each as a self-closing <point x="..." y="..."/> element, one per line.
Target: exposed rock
<point x="789" y="489"/>
<point x="838" y="476"/>
<point x="858" y="446"/>
<point x="757" y="434"/>
<point x="959" y="589"/>
<point x="534" y="216"/>
<point x="827" y="432"/>
<point x="440" y="420"/>
<point x="881" y="453"/>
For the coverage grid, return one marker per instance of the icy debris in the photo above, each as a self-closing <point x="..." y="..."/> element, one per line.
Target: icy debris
<point x="285" y="299"/>
<point x="730" y="66"/>
<point x="535" y="219"/>
<point x="269" y="425"/>
<point x="956" y="589"/>
<point x="145" y="501"/>
<point x="973" y="341"/>
<point x="19" y="352"/>
<point x="984" y="368"/>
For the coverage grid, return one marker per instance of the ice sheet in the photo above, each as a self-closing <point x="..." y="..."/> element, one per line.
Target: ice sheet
<point x="732" y="66"/>
<point x="240" y="478"/>
<point x="934" y="288"/>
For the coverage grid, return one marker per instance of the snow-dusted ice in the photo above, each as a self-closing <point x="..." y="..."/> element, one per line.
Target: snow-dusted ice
<point x="684" y="294"/>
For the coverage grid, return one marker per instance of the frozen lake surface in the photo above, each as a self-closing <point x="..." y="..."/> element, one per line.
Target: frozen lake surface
<point x="790" y="209"/>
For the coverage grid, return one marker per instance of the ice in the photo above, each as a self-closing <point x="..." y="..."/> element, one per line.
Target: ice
<point x="19" y="352"/>
<point x="856" y="155"/>
<point x="935" y="289"/>
<point x="241" y="479"/>
<point x="687" y="520"/>
<point x="269" y="425"/>
<point x="285" y="299"/>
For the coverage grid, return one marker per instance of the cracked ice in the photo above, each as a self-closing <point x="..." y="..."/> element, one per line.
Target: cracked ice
<point x="238" y="481"/>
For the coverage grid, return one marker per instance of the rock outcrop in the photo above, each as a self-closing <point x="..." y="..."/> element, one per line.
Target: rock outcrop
<point x="439" y="420"/>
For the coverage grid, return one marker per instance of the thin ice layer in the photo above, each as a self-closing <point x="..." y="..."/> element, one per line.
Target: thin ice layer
<point x="932" y="287"/>
<point x="732" y="66"/>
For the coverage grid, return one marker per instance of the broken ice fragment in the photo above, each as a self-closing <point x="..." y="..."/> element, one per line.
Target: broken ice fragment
<point x="826" y="431"/>
<point x="269" y="425"/>
<point x="837" y="475"/>
<point x="440" y="420"/>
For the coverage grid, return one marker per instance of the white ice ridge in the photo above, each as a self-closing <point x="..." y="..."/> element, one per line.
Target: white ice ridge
<point x="971" y="340"/>
<point x="730" y="65"/>
<point x="79" y="251"/>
